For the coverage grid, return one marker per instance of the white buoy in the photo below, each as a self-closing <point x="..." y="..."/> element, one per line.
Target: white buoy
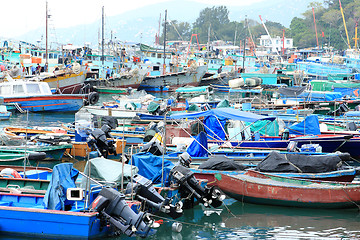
<point x="176" y="227"/>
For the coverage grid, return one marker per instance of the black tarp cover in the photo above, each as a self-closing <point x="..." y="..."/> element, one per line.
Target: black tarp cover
<point x="221" y="162"/>
<point x="277" y="162"/>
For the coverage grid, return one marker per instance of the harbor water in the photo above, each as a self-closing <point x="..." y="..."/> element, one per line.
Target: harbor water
<point x="234" y="220"/>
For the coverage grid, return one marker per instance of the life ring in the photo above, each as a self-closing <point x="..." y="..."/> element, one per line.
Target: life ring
<point x="93" y="98"/>
<point x="10" y="173"/>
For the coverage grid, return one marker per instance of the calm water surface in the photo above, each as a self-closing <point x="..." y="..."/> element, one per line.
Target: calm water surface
<point x="236" y="220"/>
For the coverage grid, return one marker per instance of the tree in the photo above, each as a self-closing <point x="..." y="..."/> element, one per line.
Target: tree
<point x="217" y="18"/>
<point x="176" y="31"/>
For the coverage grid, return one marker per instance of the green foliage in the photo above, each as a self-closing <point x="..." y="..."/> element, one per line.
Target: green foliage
<point x="329" y="20"/>
<point x="214" y="23"/>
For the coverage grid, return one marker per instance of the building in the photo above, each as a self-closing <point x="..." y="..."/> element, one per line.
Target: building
<point x="276" y="44"/>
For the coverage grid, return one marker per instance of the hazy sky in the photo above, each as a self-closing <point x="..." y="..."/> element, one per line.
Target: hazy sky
<point x="20" y="16"/>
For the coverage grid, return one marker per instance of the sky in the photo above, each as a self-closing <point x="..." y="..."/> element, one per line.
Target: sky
<point x="21" y="16"/>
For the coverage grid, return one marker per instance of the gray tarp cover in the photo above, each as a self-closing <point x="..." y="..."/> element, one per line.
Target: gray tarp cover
<point x="221" y="162"/>
<point x="103" y="169"/>
<point x="291" y="91"/>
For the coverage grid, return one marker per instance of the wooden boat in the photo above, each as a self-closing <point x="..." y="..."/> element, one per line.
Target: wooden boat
<point x="17" y="156"/>
<point x="261" y="188"/>
<point x="54" y="149"/>
<point x="53" y="153"/>
<point x="111" y="90"/>
<point x="344" y="175"/>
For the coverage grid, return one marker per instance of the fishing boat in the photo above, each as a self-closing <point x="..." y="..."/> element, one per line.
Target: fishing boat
<point x="18" y="156"/>
<point x="112" y="90"/>
<point x="65" y="213"/>
<point x="326" y="167"/>
<point x="66" y="80"/>
<point x="54" y="143"/>
<point x="191" y="76"/>
<point x="38" y="97"/>
<point x="269" y="189"/>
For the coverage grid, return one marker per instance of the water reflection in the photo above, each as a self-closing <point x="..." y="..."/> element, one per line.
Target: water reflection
<point x="248" y="221"/>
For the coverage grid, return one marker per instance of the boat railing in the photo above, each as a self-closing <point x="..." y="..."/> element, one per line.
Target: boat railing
<point x="17" y="106"/>
<point x="67" y="88"/>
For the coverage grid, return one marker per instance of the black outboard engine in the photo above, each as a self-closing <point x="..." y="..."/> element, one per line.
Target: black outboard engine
<point x="343" y="108"/>
<point x="98" y="138"/>
<point x="188" y="185"/>
<point x="152" y="136"/>
<point x="114" y="210"/>
<point x="144" y="191"/>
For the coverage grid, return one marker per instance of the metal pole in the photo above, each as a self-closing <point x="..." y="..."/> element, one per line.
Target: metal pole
<point x="102" y="37"/>
<point x="26" y="135"/>
<point x="46" y="50"/>
<point x="122" y="158"/>
<point x="164" y="152"/>
<point x="164" y="66"/>
<point x="244" y="44"/>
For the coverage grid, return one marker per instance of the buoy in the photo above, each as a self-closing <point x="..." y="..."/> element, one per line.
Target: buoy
<point x="176" y="227"/>
<point x="10" y="172"/>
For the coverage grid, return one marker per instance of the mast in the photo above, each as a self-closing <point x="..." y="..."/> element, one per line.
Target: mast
<point x="244" y="44"/>
<point x="356" y="35"/>
<point x="158" y="34"/>
<point x="283" y="40"/>
<point x="46" y="41"/>
<point x="164" y="66"/>
<point x="317" y="40"/>
<point x="235" y="35"/>
<point x="208" y="42"/>
<point x="343" y="17"/>
<point x="102" y="38"/>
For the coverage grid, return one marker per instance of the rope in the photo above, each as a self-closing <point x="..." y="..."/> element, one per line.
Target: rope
<point x="350" y="200"/>
<point x="297" y="168"/>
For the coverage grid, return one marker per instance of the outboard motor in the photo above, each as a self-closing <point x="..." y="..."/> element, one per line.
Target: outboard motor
<point x="188" y="185"/>
<point x="144" y="191"/>
<point x="154" y="145"/>
<point x="114" y="210"/>
<point x="285" y="135"/>
<point x="98" y="138"/>
<point x="343" y="108"/>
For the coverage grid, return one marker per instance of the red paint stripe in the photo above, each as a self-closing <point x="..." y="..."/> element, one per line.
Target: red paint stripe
<point x="42" y="98"/>
<point x="45" y="105"/>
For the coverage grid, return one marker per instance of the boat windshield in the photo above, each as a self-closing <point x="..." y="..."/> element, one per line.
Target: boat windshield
<point x="33" y="88"/>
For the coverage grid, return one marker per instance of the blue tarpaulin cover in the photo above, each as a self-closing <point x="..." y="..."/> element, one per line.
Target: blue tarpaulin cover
<point x="63" y="177"/>
<point x="150" y="166"/>
<point x="228" y="113"/>
<point x="215" y="127"/>
<point x="310" y="126"/>
<point x="317" y="96"/>
<point x="195" y="150"/>
<point x="352" y="114"/>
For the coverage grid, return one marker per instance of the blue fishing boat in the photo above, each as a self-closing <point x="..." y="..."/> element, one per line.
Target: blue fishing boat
<point x="63" y="213"/>
<point x="37" y="97"/>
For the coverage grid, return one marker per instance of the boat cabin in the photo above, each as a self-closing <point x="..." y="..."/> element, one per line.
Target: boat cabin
<point x="23" y="88"/>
